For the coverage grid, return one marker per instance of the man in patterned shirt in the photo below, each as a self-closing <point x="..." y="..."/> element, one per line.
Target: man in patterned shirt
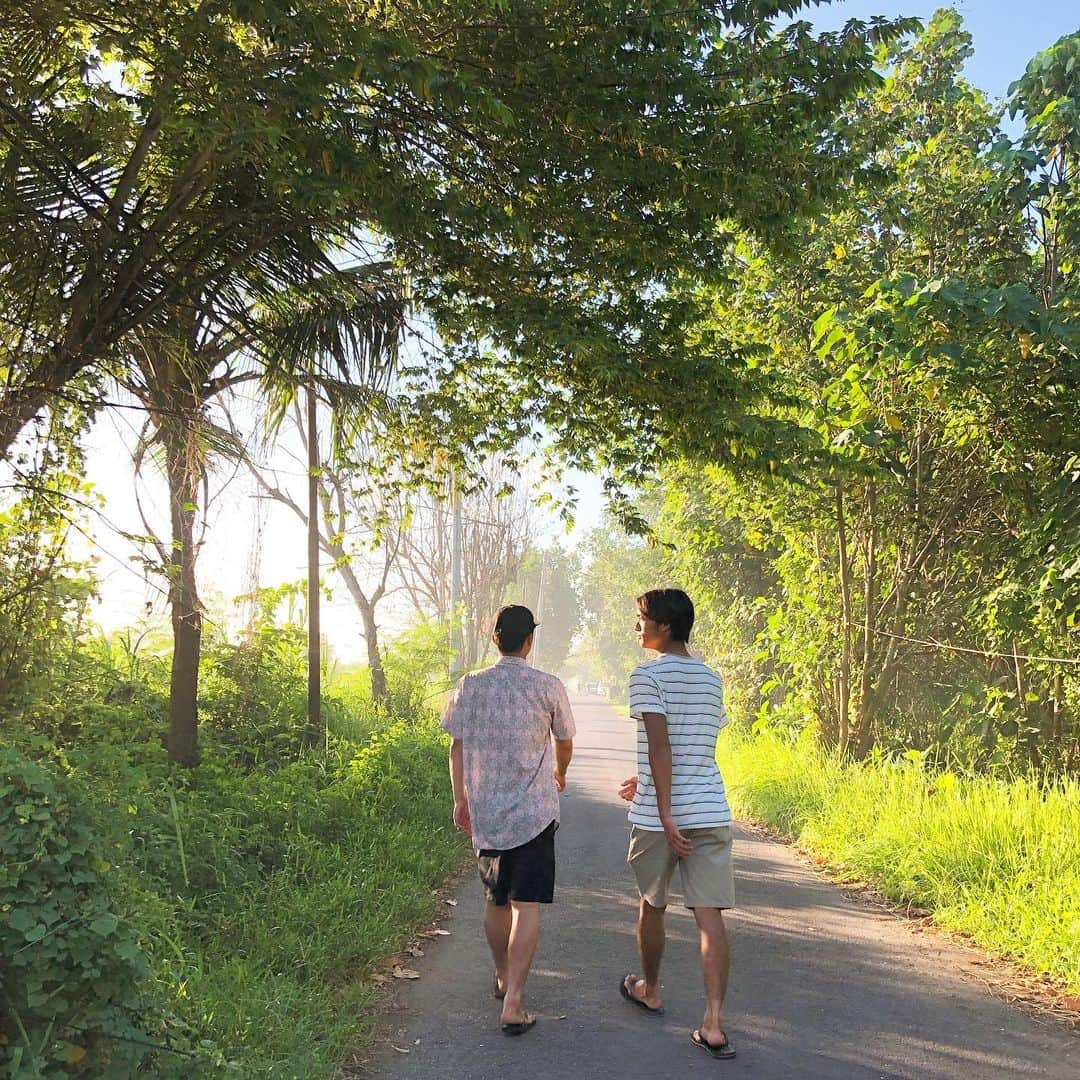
<point x="679" y="814"/>
<point x="506" y="780"/>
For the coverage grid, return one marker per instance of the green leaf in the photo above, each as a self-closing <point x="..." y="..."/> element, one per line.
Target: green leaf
<point x="105" y="924"/>
<point x="21" y="919"/>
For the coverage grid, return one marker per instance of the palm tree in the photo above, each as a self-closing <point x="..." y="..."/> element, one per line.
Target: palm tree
<point x="338" y="334"/>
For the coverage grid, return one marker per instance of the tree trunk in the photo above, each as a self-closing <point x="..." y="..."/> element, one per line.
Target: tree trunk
<point x="330" y="492"/>
<point x="366" y="607"/>
<point x="867" y="699"/>
<point x="829" y="679"/>
<point x="314" y="694"/>
<point x="1022" y="718"/>
<point x="1057" y="713"/>
<point x="379" y="690"/>
<point x="843" y="704"/>
<point x="186" y="612"/>
<point x="17" y="408"/>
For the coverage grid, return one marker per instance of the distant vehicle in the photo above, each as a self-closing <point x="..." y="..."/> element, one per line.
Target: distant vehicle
<point x="597" y="689"/>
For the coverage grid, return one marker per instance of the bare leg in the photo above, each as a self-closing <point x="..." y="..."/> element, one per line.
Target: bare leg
<point x="715" y="961"/>
<point x="650" y="938"/>
<point x="497" y="922"/>
<point x="524" y="934"/>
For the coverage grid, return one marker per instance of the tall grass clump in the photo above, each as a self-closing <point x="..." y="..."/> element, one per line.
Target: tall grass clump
<point x="996" y="859"/>
<point x="237" y="907"/>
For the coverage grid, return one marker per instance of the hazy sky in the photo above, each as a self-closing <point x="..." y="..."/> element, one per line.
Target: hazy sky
<point x="1006" y="35"/>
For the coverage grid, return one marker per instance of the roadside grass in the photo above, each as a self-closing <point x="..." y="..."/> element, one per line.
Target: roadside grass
<point x="360" y="842"/>
<point x="996" y="859"/>
<point x="266" y="884"/>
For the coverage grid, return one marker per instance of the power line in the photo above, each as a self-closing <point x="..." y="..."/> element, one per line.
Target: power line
<point x="934" y="644"/>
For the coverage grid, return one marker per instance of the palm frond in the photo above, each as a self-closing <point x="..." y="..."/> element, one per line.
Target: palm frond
<point x="342" y="331"/>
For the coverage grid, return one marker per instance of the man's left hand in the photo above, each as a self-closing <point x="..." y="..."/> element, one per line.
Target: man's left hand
<point x="676" y="841"/>
<point x="462" y="818"/>
<point x="560" y="780"/>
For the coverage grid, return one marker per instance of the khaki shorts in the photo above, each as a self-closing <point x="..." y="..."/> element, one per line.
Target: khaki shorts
<point x="707" y="876"/>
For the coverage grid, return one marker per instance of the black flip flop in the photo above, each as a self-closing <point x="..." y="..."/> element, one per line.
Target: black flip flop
<point x="520" y="1027"/>
<point x="625" y="991"/>
<point x="721" y="1051"/>
<point x="496" y="991"/>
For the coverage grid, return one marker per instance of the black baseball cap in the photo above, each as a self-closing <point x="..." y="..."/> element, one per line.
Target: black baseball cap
<point x="514" y="622"/>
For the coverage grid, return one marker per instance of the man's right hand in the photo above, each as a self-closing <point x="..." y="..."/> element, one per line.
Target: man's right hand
<point x="462" y="820"/>
<point x="628" y="789"/>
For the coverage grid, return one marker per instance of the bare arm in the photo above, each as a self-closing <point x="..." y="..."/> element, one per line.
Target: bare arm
<point x="462" y="819"/>
<point x="660" y="766"/>
<point x="564" y="751"/>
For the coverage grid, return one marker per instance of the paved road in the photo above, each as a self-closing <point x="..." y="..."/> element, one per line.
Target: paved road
<point x="823" y="987"/>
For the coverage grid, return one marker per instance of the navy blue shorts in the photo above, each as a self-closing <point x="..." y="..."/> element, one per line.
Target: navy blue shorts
<point x="525" y="874"/>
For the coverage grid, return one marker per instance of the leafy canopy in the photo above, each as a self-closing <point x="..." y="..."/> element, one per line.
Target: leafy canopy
<point x="544" y="169"/>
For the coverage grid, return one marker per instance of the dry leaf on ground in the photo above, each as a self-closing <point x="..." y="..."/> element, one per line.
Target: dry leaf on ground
<point x="405" y="973"/>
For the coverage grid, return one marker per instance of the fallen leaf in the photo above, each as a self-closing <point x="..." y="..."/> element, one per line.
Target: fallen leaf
<point x="400" y="1049"/>
<point x="417" y="1043"/>
<point x="438" y="933"/>
<point x="405" y="973"/>
<point x="380" y="979"/>
<point x="452" y="903"/>
<point x="414" y="950"/>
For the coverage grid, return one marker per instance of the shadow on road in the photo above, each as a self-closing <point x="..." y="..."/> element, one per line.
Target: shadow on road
<point x="822" y="987"/>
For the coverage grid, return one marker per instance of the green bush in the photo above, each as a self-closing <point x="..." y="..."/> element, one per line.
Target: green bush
<point x="44" y="593"/>
<point x="264" y="884"/>
<point x="253" y="695"/>
<point x="416" y="666"/>
<point x="71" y="969"/>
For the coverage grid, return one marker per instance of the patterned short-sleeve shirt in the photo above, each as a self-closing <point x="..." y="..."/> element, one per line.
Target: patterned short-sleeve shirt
<point x="505" y="716"/>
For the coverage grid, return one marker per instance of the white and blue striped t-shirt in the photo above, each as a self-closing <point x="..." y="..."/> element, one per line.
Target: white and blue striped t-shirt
<point x="691" y="696"/>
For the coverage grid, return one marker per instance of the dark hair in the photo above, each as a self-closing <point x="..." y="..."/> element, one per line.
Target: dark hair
<point x="669" y="607"/>
<point x="513" y="625"/>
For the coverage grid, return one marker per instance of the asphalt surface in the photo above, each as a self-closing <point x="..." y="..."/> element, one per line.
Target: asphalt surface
<point x="823" y="985"/>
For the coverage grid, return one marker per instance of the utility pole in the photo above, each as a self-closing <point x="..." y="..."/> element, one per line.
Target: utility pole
<point x="314" y="642"/>
<point x="539" y="610"/>
<point x="456" y="637"/>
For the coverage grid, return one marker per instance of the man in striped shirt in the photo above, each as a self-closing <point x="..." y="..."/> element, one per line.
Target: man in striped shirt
<point x="679" y="814"/>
